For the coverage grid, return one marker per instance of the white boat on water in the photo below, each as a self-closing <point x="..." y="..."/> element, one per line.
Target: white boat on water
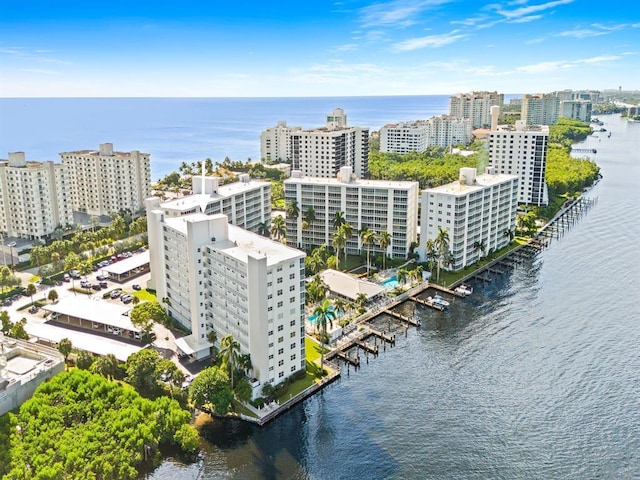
<point x="463" y="289"/>
<point x="439" y="300"/>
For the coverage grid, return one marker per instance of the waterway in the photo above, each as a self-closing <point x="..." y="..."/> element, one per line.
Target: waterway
<point x="536" y="375"/>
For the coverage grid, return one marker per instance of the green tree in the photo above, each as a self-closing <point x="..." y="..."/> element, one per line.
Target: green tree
<point x="5" y="321"/>
<point x="431" y="254"/>
<point x="339" y="242"/>
<point x="292" y="210"/>
<point x="384" y="240"/>
<point x="368" y="238"/>
<point x="31" y="291"/>
<point x="212" y="338"/>
<point x="402" y="276"/>
<point x="5" y="273"/>
<point x="338" y="220"/>
<point x="309" y="217"/>
<point x="85" y="360"/>
<point x="17" y="330"/>
<point x="107" y="366"/>
<point x="211" y="390"/>
<point x="325" y="313"/>
<point x="230" y="353"/>
<point x="144" y="314"/>
<point x="441" y="243"/>
<point x="263" y="228"/>
<point x="279" y="228"/>
<point x="144" y="369"/>
<point x="65" y="347"/>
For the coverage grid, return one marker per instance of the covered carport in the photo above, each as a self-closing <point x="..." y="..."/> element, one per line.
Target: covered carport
<point x="128" y="268"/>
<point x="95" y="315"/>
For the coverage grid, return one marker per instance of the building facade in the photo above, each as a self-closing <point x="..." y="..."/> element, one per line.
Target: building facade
<point x="246" y="203"/>
<point x="34" y="197"/>
<point x="418" y="136"/>
<point x="321" y="152"/>
<point x="576" y="110"/>
<point x="214" y="276"/>
<point x="275" y="143"/>
<point x="379" y="205"/>
<point x="540" y="109"/>
<point x="478" y="212"/>
<point x="475" y="106"/>
<point x="106" y="181"/>
<point x="522" y="150"/>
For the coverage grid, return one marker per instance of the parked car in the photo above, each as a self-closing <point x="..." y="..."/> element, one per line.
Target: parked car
<point x="66" y="277"/>
<point x="96" y="286"/>
<point x="115" y="293"/>
<point x="135" y="286"/>
<point x="117" y="331"/>
<point x="187" y="381"/>
<point x="103" y="284"/>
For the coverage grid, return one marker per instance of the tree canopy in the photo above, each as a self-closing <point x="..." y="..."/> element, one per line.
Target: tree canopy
<point x="80" y="425"/>
<point x="211" y="390"/>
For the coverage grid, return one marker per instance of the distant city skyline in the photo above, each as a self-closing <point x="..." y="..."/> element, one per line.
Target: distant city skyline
<point x="319" y="48"/>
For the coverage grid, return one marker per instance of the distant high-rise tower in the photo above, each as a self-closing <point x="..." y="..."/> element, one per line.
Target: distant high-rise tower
<point x="475" y="106"/>
<point x="540" y="109"/>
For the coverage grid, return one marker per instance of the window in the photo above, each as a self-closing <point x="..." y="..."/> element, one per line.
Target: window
<point x="279" y="279"/>
<point x="292" y="334"/>
<point x="281" y="351"/>
<point x="293" y="346"/>
<point x="281" y="374"/>
<point x="271" y="357"/>
<point x="280" y="328"/>
<point x="279" y="292"/>
<point x="292" y="323"/>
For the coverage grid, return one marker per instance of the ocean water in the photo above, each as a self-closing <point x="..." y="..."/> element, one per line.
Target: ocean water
<point x="174" y="130"/>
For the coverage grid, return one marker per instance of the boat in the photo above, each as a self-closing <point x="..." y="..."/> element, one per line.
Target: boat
<point x="440" y="301"/>
<point x="463" y="289"/>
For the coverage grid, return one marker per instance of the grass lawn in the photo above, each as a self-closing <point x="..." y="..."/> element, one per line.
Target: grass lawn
<point x="240" y="408"/>
<point x="144" y="295"/>
<point x="312" y="349"/>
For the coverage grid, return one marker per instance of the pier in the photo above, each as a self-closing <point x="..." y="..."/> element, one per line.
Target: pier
<point x="427" y="303"/>
<point x="404" y="318"/>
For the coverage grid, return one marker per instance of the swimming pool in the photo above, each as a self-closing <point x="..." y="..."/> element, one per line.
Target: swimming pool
<point x="391" y="283"/>
<point x="314" y="317"/>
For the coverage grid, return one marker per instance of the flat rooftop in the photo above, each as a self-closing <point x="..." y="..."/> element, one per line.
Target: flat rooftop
<point x="482" y="181"/>
<point x="349" y="286"/>
<point x="137" y="260"/>
<point x="97" y="153"/>
<point x="203" y="199"/>
<point x="357" y="183"/>
<point x="93" y="310"/>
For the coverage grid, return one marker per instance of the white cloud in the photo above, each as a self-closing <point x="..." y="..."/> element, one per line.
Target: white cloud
<point x="528" y="18"/>
<point x="400" y="13"/>
<point x="548" y="67"/>
<point x="527" y="9"/>
<point x="430" y="41"/>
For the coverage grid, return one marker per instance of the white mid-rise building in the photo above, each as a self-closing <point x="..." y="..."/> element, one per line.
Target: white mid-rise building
<point x="321" y="152"/>
<point x="419" y="135"/>
<point x="404" y="137"/>
<point x="379" y="205"/>
<point x="522" y="150"/>
<point x="212" y="275"/>
<point x="246" y="203"/>
<point x="540" y="109"/>
<point x="105" y="181"/>
<point x="34" y="197"/>
<point x="475" y="106"/>
<point x="576" y="110"/>
<point x="478" y="212"/>
<point x="447" y="130"/>
<point x="275" y="142"/>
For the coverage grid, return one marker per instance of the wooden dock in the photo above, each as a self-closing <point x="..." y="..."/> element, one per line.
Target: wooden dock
<point x="404" y="318"/>
<point x="387" y="337"/>
<point x="366" y="346"/>
<point x="427" y="303"/>
<point x="355" y="361"/>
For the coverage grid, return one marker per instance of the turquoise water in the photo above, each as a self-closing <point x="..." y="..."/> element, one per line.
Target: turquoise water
<point x="313" y="318"/>
<point x="391" y="283"/>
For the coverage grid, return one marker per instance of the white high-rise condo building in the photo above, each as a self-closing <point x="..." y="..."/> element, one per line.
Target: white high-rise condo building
<point x="404" y="137"/>
<point x="475" y="106"/>
<point x="478" y="212"/>
<point x="246" y="203"/>
<point x="275" y="142"/>
<point x="34" y="197"/>
<point x="214" y="276"/>
<point x="576" y="109"/>
<point x="522" y="150"/>
<point x="417" y="136"/>
<point x="540" y="109"/>
<point x="106" y="181"/>
<point x="379" y="205"/>
<point x="321" y="152"/>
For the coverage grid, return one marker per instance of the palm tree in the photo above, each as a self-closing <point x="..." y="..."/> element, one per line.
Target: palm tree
<point x="402" y="276"/>
<point x="64" y="347"/>
<point x="309" y="216"/>
<point x="324" y="314"/>
<point x="361" y="302"/>
<point x="31" y="291"/>
<point x="479" y="246"/>
<point x="340" y="305"/>
<point x="509" y="233"/>
<point x="367" y="237"/>
<point x="230" y="352"/>
<point x="417" y="273"/>
<point x="441" y="243"/>
<point x="263" y="228"/>
<point x="339" y="242"/>
<point x="212" y="338"/>
<point x="348" y="233"/>
<point x="338" y="220"/>
<point x="384" y="240"/>
<point x="279" y="228"/>
<point x="292" y="210"/>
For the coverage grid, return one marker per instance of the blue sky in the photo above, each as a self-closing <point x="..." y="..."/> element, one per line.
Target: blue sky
<point x="315" y="47"/>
